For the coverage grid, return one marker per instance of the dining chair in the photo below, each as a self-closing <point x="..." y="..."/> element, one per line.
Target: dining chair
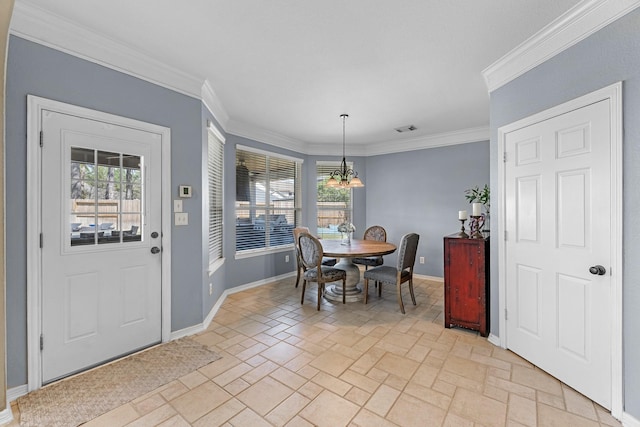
<point x="378" y="233"/>
<point x="300" y="267"/>
<point x="402" y="272"/>
<point x="311" y="257"/>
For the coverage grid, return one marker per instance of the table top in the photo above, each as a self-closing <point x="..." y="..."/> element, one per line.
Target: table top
<point x="358" y="248"/>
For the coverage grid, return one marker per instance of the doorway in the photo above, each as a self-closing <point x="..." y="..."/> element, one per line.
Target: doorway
<point x="99" y="281"/>
<point x="561" y="273"/>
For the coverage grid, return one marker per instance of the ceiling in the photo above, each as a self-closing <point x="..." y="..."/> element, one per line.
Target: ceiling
<point x="289" y="68"/>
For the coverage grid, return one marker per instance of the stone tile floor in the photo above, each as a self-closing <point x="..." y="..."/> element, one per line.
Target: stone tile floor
<point x="353" y="365"/>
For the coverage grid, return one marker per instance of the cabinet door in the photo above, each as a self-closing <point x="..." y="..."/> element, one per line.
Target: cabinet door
<point x="466" y="280"/>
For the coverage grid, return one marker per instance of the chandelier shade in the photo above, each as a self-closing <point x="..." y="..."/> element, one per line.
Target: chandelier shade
<point x="344" y="177"/>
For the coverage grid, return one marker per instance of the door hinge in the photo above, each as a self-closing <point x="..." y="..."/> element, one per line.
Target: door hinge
<point x="41" y="240"/>
<point x="41" y="342"/>
<point x="41" y="138"/>
<point x="505" y="235"/>
<point x="504" y="157"/>
<point x="506" y="315"/>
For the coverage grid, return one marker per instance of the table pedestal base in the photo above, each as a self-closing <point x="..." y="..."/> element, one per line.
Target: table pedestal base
<point x="333" y="291"/>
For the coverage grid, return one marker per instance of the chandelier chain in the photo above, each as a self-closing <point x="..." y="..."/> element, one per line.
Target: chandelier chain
<point x="344" y="177"/>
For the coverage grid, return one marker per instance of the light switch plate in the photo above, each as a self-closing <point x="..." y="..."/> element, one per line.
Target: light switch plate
<point x="177" y="205"/>
<point x="181" y="218"/>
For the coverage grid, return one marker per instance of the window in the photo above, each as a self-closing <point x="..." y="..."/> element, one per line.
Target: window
<point x="215" y="156"/>
<point x="106" y="197"/>
<point x="268" y="194"/>
<point x="334" y="204"/>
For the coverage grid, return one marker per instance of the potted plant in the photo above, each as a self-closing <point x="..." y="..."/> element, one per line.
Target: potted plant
<point x="482" y="196"/>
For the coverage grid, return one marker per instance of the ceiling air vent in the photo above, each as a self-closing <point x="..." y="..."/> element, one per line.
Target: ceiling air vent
<point x="409" y="128"/>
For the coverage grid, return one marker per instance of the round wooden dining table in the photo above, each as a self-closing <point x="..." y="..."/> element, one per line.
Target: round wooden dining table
<point x="346" y="253"/>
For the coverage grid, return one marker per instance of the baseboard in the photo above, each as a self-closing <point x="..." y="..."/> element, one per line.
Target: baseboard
<point x="16" y="392"/>
<point x="192" y="330"/>
<point x="494" y="339"/>
<point x="6" y="416"/>
<point x="432" y="278"/>
<point x="629" y="420"/>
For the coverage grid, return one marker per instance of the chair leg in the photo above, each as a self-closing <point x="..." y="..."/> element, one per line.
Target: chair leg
<point x="298" y="277"/>
<point x="399" y="288"/>
<point x="413" y="296"/>
<point x="379" y="289"/>
<point x="365" y="290"/>
<point x="304" y="286"/>
<point x="375" y="283"/>
<point x="344" y="290"/>
<point x="320" y="285"/>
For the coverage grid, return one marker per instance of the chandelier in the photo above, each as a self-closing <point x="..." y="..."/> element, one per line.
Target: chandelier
<point x="344" y="177"/>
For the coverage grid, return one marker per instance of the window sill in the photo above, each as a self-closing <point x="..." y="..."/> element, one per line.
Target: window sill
<point x="262" y="252"/>
<point x="215" y="265"/>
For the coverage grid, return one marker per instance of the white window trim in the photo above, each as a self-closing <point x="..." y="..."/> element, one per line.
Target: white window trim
<point x="250" y="253"/>
<point x="269" y="153"/>
<point x="214" y="265"/>
<point x="324" y="163"/>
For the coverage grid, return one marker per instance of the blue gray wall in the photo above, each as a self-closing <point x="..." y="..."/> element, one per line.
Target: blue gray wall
<point x="422" y="191"/>
<point x="38" y="70"/>
<point x="609" y="56"/>
<point x="430" y="207"/>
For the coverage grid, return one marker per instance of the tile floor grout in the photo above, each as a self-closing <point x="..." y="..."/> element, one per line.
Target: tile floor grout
<point x="287" y="364"/>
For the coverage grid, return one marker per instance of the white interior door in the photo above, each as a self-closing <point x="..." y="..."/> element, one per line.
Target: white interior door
<point x="558" y="219"/>
<point x="101" y="229"/>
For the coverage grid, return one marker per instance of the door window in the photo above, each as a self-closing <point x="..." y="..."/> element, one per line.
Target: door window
<point x="106" y="194"/>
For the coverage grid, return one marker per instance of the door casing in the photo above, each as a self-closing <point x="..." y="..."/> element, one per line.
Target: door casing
<point x="35" y="106"/>
<point x="613" y="94"/>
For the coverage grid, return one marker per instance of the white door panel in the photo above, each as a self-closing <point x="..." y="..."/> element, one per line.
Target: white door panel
<point x="101" y="285"/>
<point x="558" y="211"/>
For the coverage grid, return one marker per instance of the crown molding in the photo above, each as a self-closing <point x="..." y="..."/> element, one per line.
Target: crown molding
<point x="463" y="136"/>
<point x="374" y="149"/>
<point x="255" y="133"/>
<point x="335" y="148"/>
<point x="34" y="24"/>
<point x="579" y="22"/>
<point x="213" y="104"/>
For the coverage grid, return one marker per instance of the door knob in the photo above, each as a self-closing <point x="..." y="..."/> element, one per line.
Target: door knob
<point x="155" y="250"/>
<point x="597" y="270"/>
<point x="154" y="235"/>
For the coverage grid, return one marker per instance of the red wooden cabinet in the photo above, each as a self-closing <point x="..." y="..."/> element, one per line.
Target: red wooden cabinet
<point x="466" y="283"/>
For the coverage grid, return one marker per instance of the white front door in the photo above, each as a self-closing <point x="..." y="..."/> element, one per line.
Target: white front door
<point x="101" y="225"/>
<point x="558" y="215"/>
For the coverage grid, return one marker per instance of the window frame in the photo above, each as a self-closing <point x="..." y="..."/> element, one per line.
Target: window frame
<point x="215" y="197"/>
<point x="323" y="171"/>
<point x="268" y="207"/>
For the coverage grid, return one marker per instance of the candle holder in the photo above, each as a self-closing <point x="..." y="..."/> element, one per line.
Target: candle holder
<point x="462" y="233"/>
<point x="476" y="224"/>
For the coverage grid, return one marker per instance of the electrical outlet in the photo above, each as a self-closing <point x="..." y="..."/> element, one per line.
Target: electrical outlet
<point x="177" y="205"/>
<point x="421" y="260"/>
<point x="181" y="218"/>
<point x="286" y="258"/>
<point x="210" y="288"/>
